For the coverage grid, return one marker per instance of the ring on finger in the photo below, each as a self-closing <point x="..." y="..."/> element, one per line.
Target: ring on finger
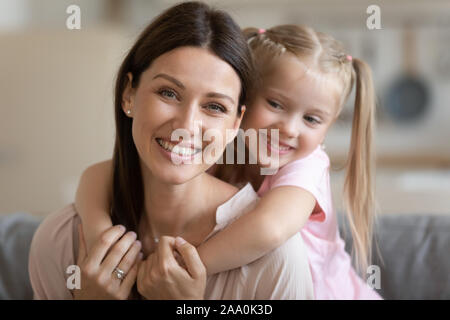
<point x="119" y="273"/>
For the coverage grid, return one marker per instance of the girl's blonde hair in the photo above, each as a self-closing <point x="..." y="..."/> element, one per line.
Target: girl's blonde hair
<point x="327" y="56"/>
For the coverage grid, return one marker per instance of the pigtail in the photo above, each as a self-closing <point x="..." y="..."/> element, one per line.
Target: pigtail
<point x="250" y="33"/>
<point x="359" y="199"/>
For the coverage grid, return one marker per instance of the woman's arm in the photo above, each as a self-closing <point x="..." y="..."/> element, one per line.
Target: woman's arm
<point x="93" y="199"/>
<point x="279" y="214"/>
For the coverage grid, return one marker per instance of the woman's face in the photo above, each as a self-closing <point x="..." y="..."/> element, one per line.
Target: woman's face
<point x="301" y="106"/>
<point x="188" y="89"/>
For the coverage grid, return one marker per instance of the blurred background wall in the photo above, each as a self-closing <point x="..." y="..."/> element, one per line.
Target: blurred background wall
<point x="56" y="88"/>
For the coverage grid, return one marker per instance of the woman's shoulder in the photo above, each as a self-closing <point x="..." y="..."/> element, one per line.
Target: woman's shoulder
<point x="223" y="192"/>
<point x="98" y="170"/>
<point x="234" y="203"/>
<point x="227" y="189"/>
<point x="51" y="252"/>
<point x="55" y="228"/>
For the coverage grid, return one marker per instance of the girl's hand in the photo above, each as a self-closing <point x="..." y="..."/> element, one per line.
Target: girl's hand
<point x="160" y="276"/>
<point x="111" y="250"/>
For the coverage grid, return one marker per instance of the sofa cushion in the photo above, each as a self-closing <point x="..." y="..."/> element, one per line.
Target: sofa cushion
<point x="415" y="251"/>
<point x="16" y="232"/>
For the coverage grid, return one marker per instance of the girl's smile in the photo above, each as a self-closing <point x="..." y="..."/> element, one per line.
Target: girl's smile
<point x="281" y="148"/>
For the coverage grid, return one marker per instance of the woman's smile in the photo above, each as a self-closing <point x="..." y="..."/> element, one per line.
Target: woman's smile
<point x="177" y="152"/>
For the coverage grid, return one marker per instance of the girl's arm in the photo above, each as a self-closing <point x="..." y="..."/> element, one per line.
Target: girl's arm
<point x="279" y="214"/>
<point x="93" y="199"/>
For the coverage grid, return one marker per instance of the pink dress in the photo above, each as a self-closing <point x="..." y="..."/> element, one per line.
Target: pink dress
<point x="331" y="268"/>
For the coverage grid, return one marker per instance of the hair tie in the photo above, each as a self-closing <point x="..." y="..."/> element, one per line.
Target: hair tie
<point x="349" y="58"/>
<point x="261" y="31"/>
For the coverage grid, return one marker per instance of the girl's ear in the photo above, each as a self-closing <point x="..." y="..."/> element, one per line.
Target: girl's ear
<point x="128" y="96"/>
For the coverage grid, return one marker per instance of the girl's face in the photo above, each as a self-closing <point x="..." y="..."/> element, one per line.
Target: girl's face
<point x="301" y="104"/>
<point x="189" y="89"/>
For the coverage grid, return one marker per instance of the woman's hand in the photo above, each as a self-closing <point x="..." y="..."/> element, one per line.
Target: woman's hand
<point x="111" y="250"/>
<point x="160" y="276"/>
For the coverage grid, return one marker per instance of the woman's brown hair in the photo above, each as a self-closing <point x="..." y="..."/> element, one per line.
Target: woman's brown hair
<point x="186" y="24"/>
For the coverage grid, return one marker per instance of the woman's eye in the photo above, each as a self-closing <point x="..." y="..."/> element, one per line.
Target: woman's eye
<point x="273" y="104"/>
<point x="216" y="108"/>
<point x="312" y="120"/>
<point x="167" y="93"/>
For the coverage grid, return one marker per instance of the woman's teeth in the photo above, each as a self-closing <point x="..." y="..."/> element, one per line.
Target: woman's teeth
<point x="171" y="147"/>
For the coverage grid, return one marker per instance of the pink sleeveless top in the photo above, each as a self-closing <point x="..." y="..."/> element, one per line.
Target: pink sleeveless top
<point x="330" y="265"/>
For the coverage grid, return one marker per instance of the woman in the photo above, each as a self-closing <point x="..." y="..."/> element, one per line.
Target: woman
<point x="190" y="70"/>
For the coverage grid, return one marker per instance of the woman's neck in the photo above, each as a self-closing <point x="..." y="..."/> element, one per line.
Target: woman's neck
<point x="187" y="210"/>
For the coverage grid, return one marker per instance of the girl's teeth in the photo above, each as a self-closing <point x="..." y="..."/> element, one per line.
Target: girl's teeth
<point x="176" y="149"/>
<point x="279" y="147"/>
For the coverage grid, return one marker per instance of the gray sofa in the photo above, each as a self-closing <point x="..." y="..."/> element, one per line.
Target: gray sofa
<point x="415" y="251"/>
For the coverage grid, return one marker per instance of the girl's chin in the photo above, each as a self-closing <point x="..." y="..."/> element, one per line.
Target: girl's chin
<point x="269" y="164"/>
<point x="273" y="163"/>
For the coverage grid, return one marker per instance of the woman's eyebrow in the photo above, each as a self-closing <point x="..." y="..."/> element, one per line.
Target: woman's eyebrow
<point x="219" y="95"/>
<point x="171" y="79"/>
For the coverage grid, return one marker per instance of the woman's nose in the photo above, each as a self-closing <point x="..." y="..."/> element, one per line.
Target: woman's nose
<point x="188" y="119"/>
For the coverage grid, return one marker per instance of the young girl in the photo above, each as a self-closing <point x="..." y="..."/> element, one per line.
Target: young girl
<point x="304" y="78"/>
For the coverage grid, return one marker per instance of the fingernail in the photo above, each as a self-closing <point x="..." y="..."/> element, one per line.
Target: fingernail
<point x="133" y="234"/>
<point x="180" y="241"/>
<point x="140" y="256"/>
<point x="138" y="243"/>
<point x="122" y="228"/>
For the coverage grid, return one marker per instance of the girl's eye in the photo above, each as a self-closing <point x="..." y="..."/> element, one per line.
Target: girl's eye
<point x="166" y="93"/>
<point x="312" y="120"/>
<point x="214" y="107"/>
<point x="273" y="104"/>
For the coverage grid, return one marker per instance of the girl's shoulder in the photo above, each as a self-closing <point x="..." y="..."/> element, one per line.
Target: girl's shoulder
<point x="308" y="173"/>
<point x="318" y="156"/>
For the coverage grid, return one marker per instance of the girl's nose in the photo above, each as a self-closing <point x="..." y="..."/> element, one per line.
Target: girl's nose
<point x="290" y="127"/>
